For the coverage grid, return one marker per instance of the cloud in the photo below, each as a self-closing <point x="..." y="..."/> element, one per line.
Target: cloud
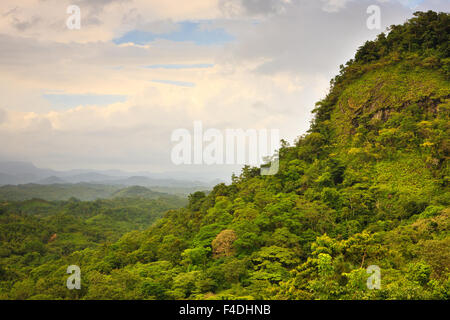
<point x="180" y="66"/>
<point x="101" y="20"/>
<point x="334" y="5"/>
<point x="25" y="25"/>
<point x="308" y="39"/>
<point x="68" y="101"/>
<point x="176" y="83"/>
<point x="436" y="5"/>
<point x="3" y="116"/>
<point x="79" y="99"/>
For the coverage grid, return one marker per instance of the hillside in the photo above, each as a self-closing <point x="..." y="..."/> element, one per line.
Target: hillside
<point x="137" y="192"/>
<point x="56" y="191"/>
<point x="38" y="232"/>
<point x="367" y="185"/>
<point x="86" y="191"/>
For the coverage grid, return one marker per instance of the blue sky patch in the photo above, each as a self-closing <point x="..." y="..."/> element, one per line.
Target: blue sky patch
<point x="69" y="101"/>
<point x="187" y="31"/>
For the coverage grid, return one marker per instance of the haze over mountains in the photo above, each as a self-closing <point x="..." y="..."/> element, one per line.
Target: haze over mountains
<point x="18" y="172"/>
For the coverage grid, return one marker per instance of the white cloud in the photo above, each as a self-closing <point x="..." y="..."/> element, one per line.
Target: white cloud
<point x="280" y="64"/>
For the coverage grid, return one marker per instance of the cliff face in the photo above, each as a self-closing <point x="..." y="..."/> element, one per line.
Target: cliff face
<point x="390" y="130"/>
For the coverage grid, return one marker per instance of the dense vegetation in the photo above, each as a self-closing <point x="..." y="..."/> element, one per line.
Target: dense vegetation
<point x="38" y="232"/>
<point x="368" y="185"/>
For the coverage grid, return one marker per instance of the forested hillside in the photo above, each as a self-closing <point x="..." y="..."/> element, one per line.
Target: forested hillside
<point x="56" y="192"/>
<point x="38" y="232"/>
<point x="88" y="191"/>
<point x="367" y="185"/>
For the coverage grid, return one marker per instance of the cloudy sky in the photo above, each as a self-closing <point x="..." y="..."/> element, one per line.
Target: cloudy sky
<point x="109" y="95"/>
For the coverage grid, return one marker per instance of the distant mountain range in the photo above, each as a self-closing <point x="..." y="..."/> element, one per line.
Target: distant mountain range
<point x="86" y="192"/>
<point x="16" y="172"/>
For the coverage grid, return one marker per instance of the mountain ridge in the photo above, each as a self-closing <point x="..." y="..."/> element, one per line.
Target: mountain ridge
<point x="20" y="172"/>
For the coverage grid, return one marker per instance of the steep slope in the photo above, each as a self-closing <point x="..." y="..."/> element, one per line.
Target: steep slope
<point x="368" y="185"/>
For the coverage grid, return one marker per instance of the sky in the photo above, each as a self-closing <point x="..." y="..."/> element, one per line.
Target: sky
<point x="109" y="95"/>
